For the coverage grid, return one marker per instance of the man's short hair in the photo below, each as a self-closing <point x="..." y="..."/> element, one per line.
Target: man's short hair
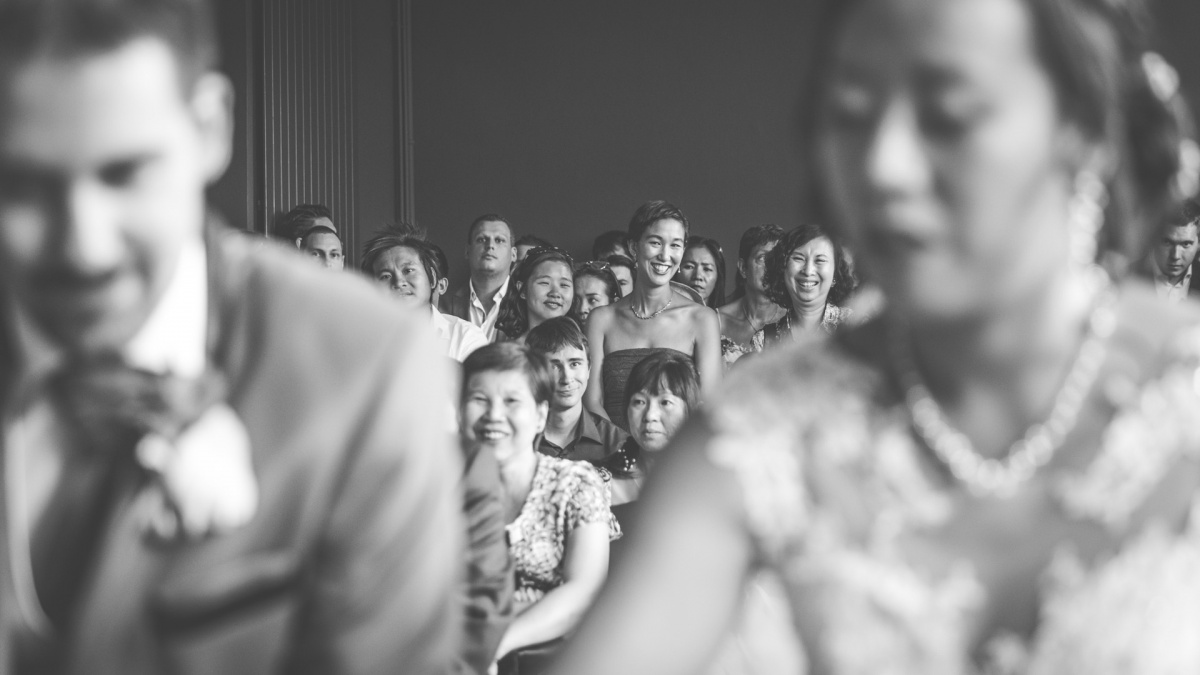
<point x="531" y="240"/>
<point x="295" y="223"/>
<point x="555" y="334"/>
<point x="407" y="236"/>
<point x="71" y="28"/>
<point x="319" y="229"/>
<point x="607" y="241"/>
<point x="487" y="218"/>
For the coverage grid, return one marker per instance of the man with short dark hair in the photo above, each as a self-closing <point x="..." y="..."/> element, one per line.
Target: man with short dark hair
<point x="613" y="242"/>
<point x="323" y="245"/>
<point x="572" y="431"/>
<point x="525" y="244"/>
<point x="295" y="223"/>
<point x="190" y="488"/>
<point x="489" y="256"/>
<point x="1174" y="253"/>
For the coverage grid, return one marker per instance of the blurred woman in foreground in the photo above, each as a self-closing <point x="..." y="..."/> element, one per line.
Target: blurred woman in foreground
<point x="1000" y="474"/>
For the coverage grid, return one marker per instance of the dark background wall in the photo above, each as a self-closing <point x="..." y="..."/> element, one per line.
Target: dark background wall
<point x="565" y="116"/>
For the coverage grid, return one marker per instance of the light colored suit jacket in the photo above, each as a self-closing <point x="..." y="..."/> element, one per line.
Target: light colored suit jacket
<point x="354" y="557"/>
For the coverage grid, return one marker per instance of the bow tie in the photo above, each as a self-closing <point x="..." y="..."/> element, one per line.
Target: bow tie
<point x="113" y="403"/>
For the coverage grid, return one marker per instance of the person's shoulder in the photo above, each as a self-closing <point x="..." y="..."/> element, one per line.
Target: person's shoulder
<point x="604" y="315"/>
<point x="340" y="316"/>
<point x="1153" y="331"/>
<point x="817" y="382"/>
<point x="571" y="476"/>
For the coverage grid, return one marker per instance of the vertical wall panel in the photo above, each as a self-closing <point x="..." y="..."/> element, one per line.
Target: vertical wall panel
<point x="308" y="137"/>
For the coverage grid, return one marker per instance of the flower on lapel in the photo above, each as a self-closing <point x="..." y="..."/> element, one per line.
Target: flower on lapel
<point x="202" y="483"/>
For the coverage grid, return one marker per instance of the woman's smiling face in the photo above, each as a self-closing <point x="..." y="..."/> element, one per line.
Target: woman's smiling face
<point x="660" y="250"/>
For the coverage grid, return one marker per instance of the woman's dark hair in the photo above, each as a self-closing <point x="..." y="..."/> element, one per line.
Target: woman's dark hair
<point x="843" y="279"/>
<point x="603" y="272"/>
<point x="717" y="298"/>
<point x="407" y="236"/>
<point x="650" y="213"/>
<point x="513" y="318"/>
<point x="506" y="357"/>
<point x="557" y="333"/>
<point x="1095" y="52"/>
<point x="665" y="371"/>
<point x="753" y="238"/>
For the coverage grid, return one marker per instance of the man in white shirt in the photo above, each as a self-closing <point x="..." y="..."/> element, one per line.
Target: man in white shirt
<point x="1174" y="253"/>
<point x="490" y="256"/>
<point x="413" y="271"/>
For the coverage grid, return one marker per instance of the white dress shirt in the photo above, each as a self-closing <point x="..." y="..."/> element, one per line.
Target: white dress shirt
<point x="482" y="318"/>
<point x="1173" y="292"/>
<point x="172" y="340"/>
<point x="459" y="337"/>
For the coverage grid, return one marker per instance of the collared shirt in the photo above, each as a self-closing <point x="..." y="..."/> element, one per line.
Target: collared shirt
<point x="482" y="318"/>
<point x="1173" y="292"/>
<point x="459" y="337"/>
<point x="172" y="340"/>
<point x="595" y="439"/>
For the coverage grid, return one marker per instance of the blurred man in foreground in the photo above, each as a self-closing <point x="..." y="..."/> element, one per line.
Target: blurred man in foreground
<point x="188" y="487"/>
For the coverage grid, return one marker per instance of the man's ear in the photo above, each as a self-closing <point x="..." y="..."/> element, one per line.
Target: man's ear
<point x="441" y="286"/>
<point x="212" y="109"/>
<point x="300" y="243"/>
<point x="741" y="265"/>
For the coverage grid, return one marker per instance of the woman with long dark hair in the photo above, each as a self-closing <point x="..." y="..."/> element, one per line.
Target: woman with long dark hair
<point x="541" y="288"/>
<point x="703" y="268"/>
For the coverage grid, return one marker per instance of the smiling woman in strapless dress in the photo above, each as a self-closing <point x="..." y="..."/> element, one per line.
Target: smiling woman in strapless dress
<point x="652" y="317"/>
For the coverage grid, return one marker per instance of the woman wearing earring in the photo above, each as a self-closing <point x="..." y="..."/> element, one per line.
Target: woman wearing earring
<point x="652" y="317"/>
<point x="1001" y="473"/>
<point x="807" y="274"/>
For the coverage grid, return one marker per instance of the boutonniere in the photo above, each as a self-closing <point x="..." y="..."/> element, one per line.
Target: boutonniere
<point x="201" y="483"/>
<point x="192" y="448"/>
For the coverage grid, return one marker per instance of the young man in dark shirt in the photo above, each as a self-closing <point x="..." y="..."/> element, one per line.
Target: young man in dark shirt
<point x="572" y="431"/>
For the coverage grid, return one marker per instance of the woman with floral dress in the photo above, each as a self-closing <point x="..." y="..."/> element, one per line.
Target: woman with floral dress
<point x="559" y="522"/>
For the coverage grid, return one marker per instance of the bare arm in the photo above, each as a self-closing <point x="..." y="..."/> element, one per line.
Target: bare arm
<point x="709" y="365"/>
<point x="675" y="589"/>
<point x="585" y="566"/>
<point x="597" y="323"/>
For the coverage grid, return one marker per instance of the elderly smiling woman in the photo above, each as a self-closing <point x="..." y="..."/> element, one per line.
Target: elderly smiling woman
<point x="559" y="521"/>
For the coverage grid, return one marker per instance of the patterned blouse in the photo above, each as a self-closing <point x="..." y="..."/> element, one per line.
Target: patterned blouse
<point x="564" y="495"/>
<point x="780" y="332"/>
<point x="838" y="497"/>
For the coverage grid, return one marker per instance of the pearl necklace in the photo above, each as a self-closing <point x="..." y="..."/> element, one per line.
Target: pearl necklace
<point x="660" y="310"/>
<point x="984" y="476"/>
